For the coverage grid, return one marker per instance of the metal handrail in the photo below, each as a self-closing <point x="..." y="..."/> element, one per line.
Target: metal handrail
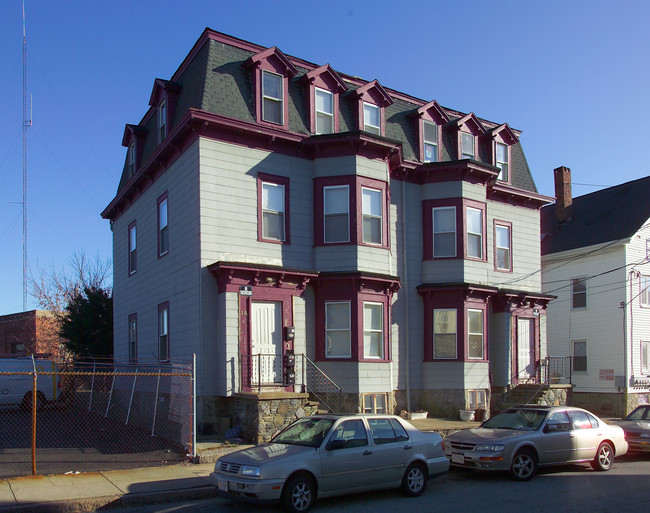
<point x="543" y="373"/>
<point x="311" y="382"/>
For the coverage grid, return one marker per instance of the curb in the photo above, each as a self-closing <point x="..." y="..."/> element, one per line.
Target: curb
<point x="108" y="502"/>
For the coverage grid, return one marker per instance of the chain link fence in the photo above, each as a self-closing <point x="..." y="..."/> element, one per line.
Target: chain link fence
<point x="90" y="415"/>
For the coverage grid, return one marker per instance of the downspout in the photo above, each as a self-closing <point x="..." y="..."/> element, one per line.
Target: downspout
<point x="405" y="288"/>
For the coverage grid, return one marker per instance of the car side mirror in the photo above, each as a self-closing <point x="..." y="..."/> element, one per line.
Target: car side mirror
<point x="333" y="445"/>
<point x="550" y="428"/>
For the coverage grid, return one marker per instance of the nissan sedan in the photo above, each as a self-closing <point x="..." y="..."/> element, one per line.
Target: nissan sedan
<point x="327" y="455"/>
<point x="526" y="437"/>
<point x="637" y="428"/>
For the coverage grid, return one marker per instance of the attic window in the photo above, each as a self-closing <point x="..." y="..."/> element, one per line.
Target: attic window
<point x="467" y="145"/>
<point x="323" y="89"/>
<point x="503" y="161"/>
<point x="324" y="102"/>
<point x="162" y="120"/>
<point x="372" y="101"/>
<point x="272" y="97"/>
<point x="130" y="159"/>
<point x="371" y="118"/>
<point x="430" y="142"/>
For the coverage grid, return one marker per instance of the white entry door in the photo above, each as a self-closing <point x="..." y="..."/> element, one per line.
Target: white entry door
<point x="266" y="347"/>
<point x="525" y="348"/>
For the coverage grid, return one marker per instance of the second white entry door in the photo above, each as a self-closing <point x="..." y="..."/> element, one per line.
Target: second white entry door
<point x="266" y="347"/>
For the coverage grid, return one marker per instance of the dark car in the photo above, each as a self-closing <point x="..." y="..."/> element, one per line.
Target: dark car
<point x="637" y="428"/>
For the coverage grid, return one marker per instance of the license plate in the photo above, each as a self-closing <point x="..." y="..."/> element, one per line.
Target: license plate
<point x="457" y="457"/>
<point x="222" y="484"/>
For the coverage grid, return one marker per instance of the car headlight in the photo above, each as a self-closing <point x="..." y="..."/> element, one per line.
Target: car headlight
<point x="489" y="447"/>
<point x="250" y="471"/>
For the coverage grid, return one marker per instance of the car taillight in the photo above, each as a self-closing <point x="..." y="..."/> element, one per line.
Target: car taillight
<point x="443" y="444"/>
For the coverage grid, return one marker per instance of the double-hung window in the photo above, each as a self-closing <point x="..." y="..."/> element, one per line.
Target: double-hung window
<point x="163" y="332"/>
<point x="162" y="120"/>
<point x="444" y="232"/>
<point x="133" y="252"/>
<point x="474" y="233"/>
<point x="133" y="338"/>
<point x="372" y="216"/>
<point x="430" y="142"/>
<point x="467" y="146"/>
<point x="578" y="293"/>
<point x="163" y="226"/>
<point x="579" y="355"/>
<point x="336" y="202"/>
<point x="273" y="216"/>
<point x="130" y="160"/>
<point x="371" y="118"/>
<point x="373" y="330"/>
<point x="503" y="249"/>
<point x="444" y="333"/>
<point x="272" y="97"/>
<point x="475" y="334"/>
<point x="645" y="291"/>
<point x="645" y="356"/>
<point x="502" y="161"/>
<point x="337" y="329"/>
<point x="324" y="102"/>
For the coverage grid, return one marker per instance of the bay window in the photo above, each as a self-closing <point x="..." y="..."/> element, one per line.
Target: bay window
<point x="336" y="214"/>
<point x="474" y="233"/>
<point x="475" y="334"/>
<point x="444" y="333"/>
<point x="444" y="232"/>
<point x="373" y="330"/>
<point x="337" y="329"/>
<point x="372" y="216"/>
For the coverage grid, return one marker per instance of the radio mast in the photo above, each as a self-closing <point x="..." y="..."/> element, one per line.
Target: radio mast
<point x="26" y="124"/>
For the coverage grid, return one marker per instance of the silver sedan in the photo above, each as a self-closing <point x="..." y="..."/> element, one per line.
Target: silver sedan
<point x="326" y="455"/>
<point x="522" y="438"/>
<point x="637" y="428"/>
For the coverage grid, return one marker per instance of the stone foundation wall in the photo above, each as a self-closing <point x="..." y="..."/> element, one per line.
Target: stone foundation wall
<point x="609" y="405"/>
<point x="438" y="403"/>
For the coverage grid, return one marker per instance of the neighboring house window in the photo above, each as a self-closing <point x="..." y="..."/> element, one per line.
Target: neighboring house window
<point x="162" y="120"/>
<point x="133" y="338"/>
<point x="579" y="355"/>
<point x="430" y="142"/>
<point x="578" y="293"/>
<point x="475" y="334"/>
<point x="273" y="211"/>
<point x="163" y="226"/>
<point x="374" y="403"/>
<point x="372" y="216"/>
<point x="337" y="329"/>
<point x="474" y="233"/>
<point x="502" y="161"/>
<point x="645" y="290"/>
<point x="444" y="232"/>
<point x="647" y="249"/>
<point x="476" y="400"/>
<point x="645" y="357"/>
<point x="324" y="101"/>
<point x="371" y="118"/>
<point x="444" y="333"/>
<point x="503" y="247"/>
<point x="130" y="159"/>
<point x="467" y="145"/>
<point x="272" y="97"/>
<point x="373" y="330"/>
<point x="336" y="204"/>
<point x="133" y="252"/>
<point x="163" y="332"/>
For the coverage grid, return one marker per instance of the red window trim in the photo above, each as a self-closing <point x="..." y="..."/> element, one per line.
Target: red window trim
<point x="427" y="227"/>
<point x="132" y="225"/>
<point x="327" y="79"/>
<point x="278" y="180"/>
<point x="356" y="184"/>
<point x="507" y="224"/>
<point x="161" y="198"/>
<point x="477" y="205"/>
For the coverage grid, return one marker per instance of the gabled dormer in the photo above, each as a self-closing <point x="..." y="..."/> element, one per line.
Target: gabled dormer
<point x="133" y="140"/>
<point x="428" y="121"/>
<point x="323" y="89"/>
<point x="469" y="128"/>
<point x="163" y="100"/>
<point x="501" y="140"/>
<point x="371" y="100"/>
<point x="270" y="72"/>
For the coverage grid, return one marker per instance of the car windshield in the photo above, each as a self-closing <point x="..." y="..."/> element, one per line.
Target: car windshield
<point x="307" y="431"/>
<point x="522" y="419"/>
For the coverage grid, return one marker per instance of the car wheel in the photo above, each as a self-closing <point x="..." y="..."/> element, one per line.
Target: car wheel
<point x="604" y="457"/>
<point x="27" y="401"/>
<point x="524" y="465"/>
<point x="299" y="494"/>
<point x="415" y="480"/>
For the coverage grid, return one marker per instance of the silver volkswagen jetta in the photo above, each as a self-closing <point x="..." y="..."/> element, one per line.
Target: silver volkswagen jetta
<point x="522" y="438"/>
<point x="326" y="455"/>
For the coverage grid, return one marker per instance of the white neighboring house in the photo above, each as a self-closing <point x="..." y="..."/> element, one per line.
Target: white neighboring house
<point x="596" y="260"/>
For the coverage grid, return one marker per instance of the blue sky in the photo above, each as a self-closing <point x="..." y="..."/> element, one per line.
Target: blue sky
<point x="572" y="75"/>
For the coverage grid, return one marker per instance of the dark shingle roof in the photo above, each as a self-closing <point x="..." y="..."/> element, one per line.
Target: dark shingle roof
<point x="608" y="215"/>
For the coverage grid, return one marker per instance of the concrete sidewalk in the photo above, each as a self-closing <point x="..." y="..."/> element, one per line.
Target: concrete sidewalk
<point x="90" y="491"/>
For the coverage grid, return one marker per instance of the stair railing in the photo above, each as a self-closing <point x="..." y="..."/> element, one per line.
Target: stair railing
<point x="317" y="383"/>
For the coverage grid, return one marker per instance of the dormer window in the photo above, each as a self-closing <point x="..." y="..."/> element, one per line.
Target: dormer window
<point x="130" y="159"/>
<point x="162" y="120"/>
<point x="371" y="118"/>
<point x="324" y="104"/>
<point x="467" y="146"/>
<point x="430" y="142"/>
<point x="272" y="94"/>
<point x="502" y="161"/>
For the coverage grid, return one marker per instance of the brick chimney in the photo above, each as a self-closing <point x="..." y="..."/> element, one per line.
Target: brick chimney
<point x="563" y="199"/>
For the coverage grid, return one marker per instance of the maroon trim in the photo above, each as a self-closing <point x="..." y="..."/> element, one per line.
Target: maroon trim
<point x="477" y="205"/>
<point x="231" y="276"/>
<point x="278" y="180"/>
<point x="427" y="227"/>
<point x="128" y="233"/>
<point x="526" y="313"/>
<point x="161" y="307"/>
<point x="507" y="224"/>
<point x="329" y="80"/>
<point x="356" y="290"/>
<point x="162" y="198"/>
<point x="374" y="94"/>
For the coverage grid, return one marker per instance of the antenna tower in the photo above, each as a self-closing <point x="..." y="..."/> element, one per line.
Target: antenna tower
<point x="26" y="124"/>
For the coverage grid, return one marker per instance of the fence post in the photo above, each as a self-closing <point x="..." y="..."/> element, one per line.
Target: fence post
<point x="110" y="395"/>
<point x="34" y="392"/>
<point x="92" y="386"/>
<point x="155" y="405"/>
<point x="193" y="406"/>
<point x="128" y="412"/>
